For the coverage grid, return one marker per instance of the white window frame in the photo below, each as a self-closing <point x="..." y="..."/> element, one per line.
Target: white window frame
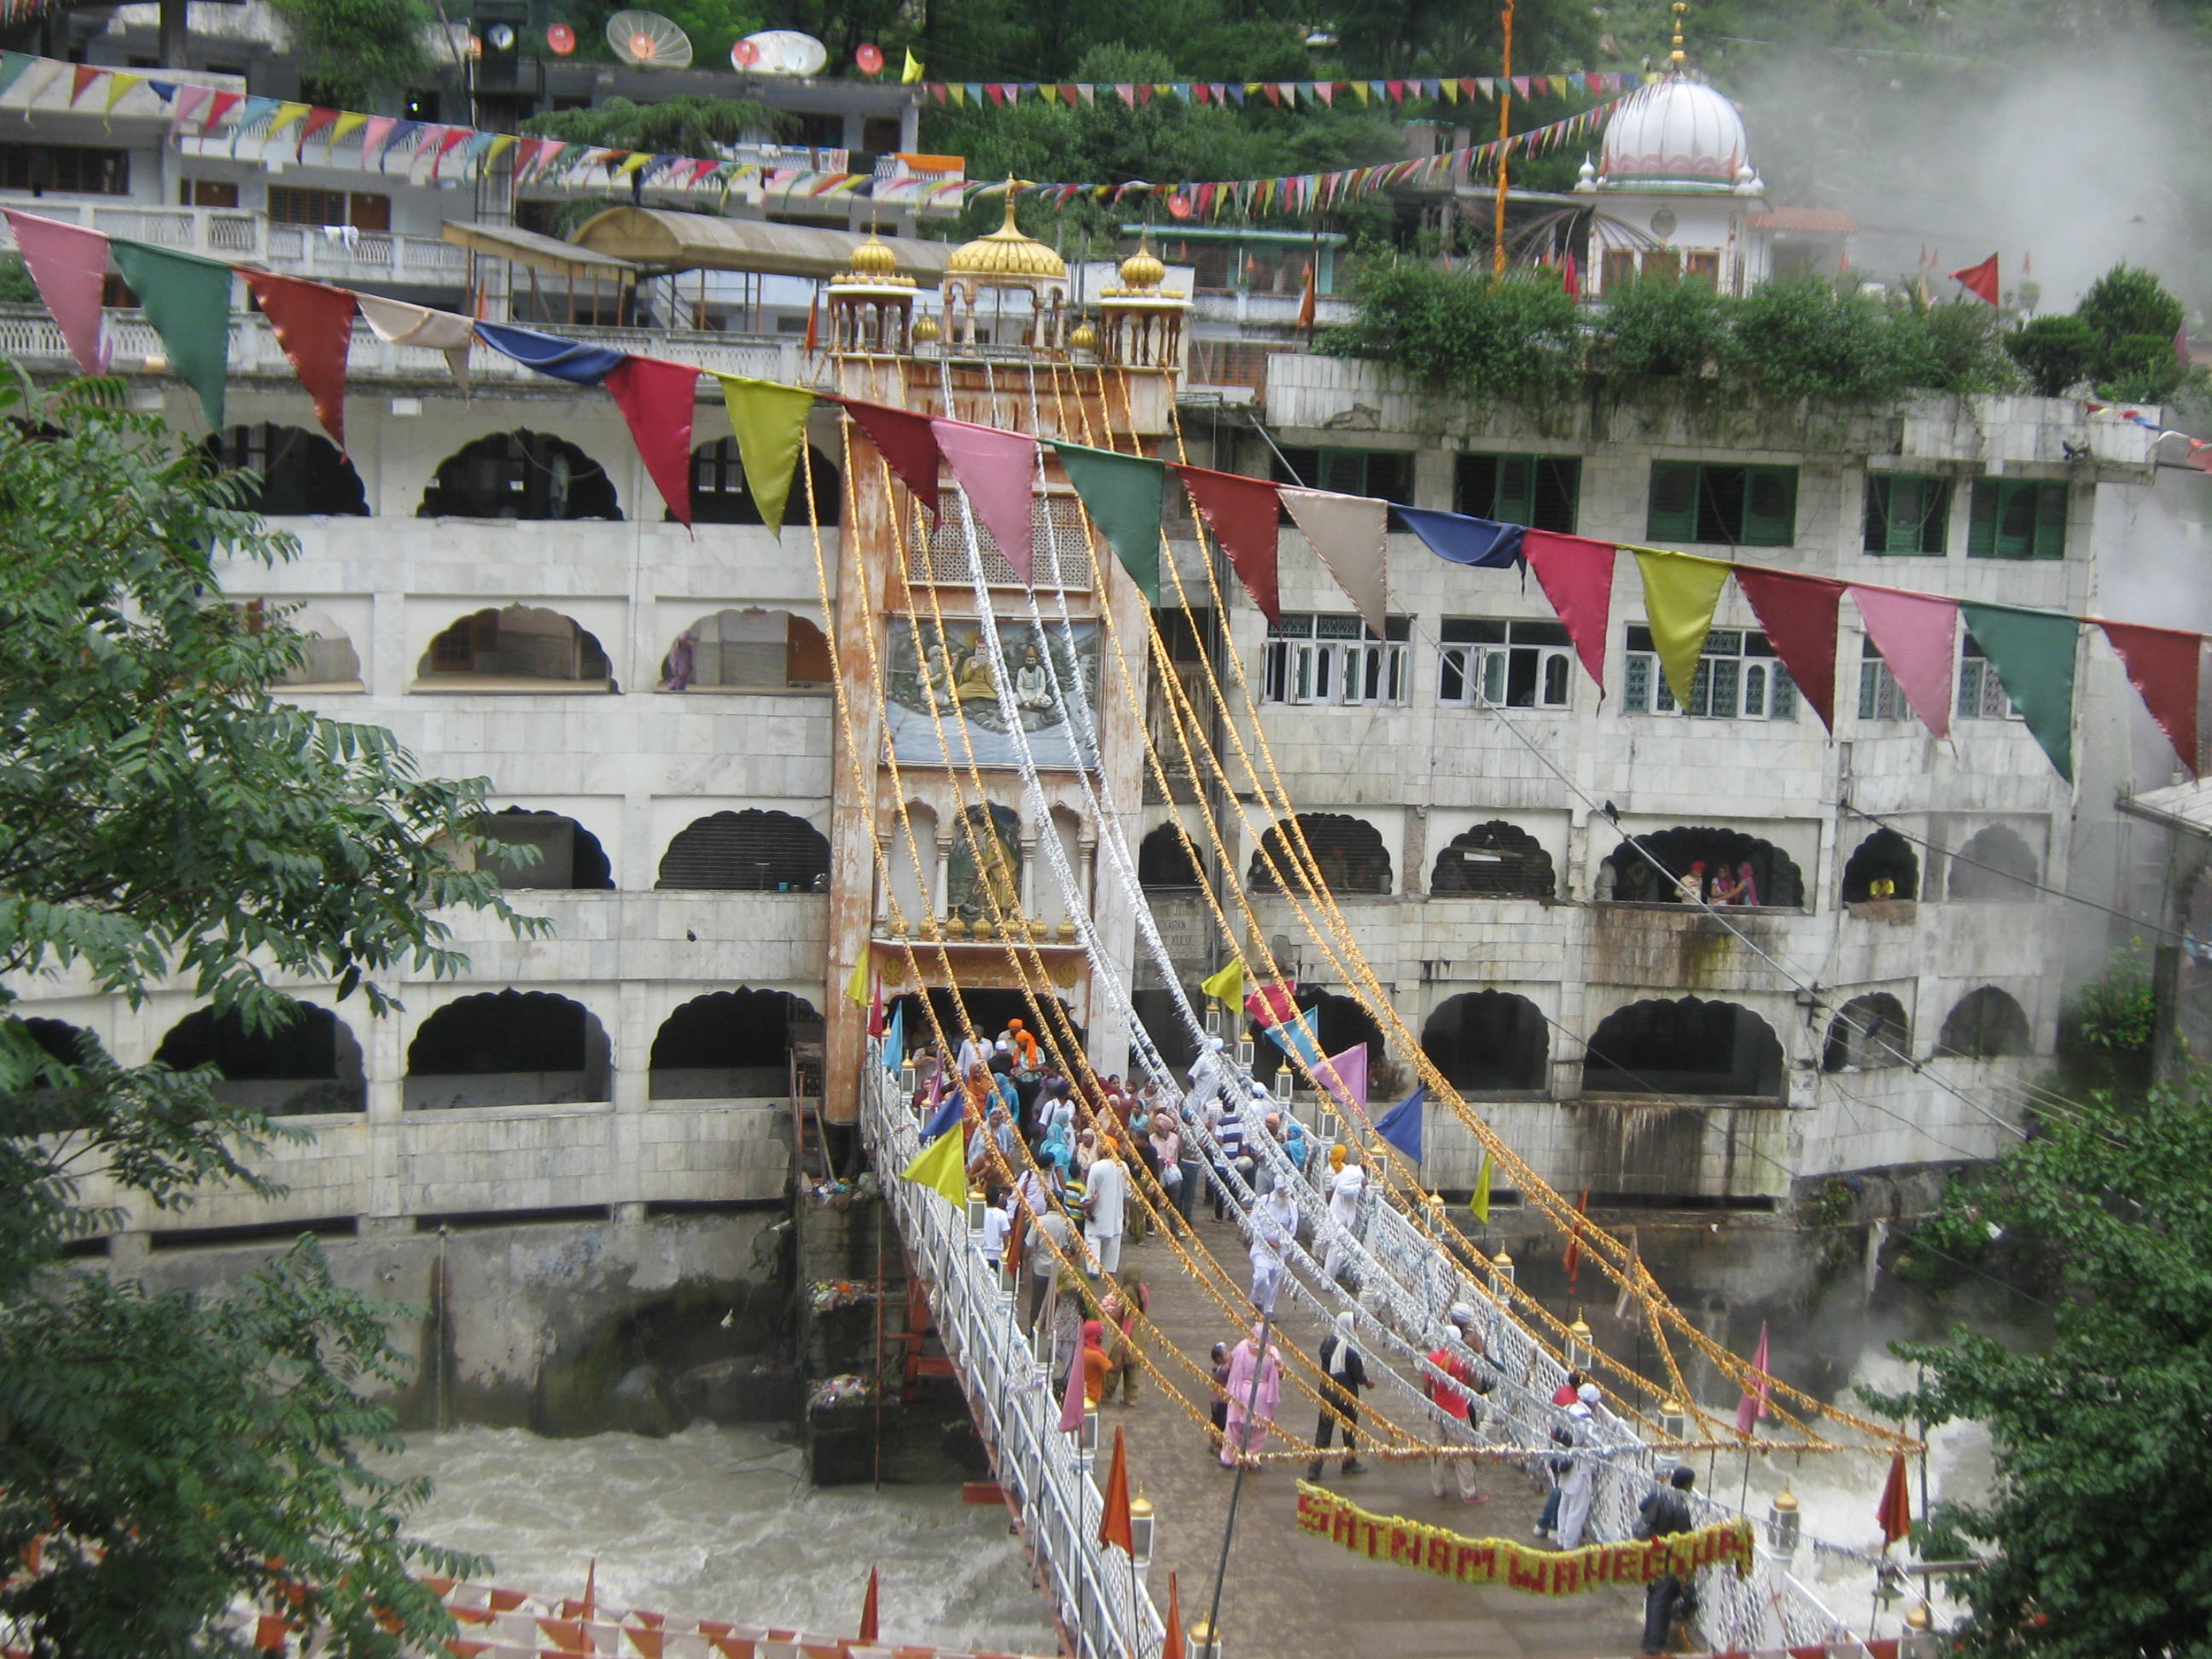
<point x="1485" y="671"/>
<point x="1981" y="694"/>
<point x="1753" y="679"/>
<point x="1347" y="667"/>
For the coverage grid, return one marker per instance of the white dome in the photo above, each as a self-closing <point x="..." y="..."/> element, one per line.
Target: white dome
<point x="1677" y="132"/>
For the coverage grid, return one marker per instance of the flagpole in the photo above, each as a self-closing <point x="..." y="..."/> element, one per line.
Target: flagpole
<point x="1504" y="111"/>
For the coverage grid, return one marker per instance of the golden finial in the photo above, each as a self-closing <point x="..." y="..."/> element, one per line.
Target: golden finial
<point x="1678" y="57"/>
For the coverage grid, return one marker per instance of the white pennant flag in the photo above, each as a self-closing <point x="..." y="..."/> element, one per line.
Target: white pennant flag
<point x="1351" y="535"/>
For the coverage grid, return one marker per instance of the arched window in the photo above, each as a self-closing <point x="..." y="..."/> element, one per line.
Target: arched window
<point x="1337" y="1023"/>
<point x="1166" y="859"/>
<point x="327" y="657"/>
<point x="296" y="472"/>
<point x="1994" y="868"/>
<point x="1986" y="1025"/>
<point x="747" y="651"/>
<point x="507" y="1049"/>
<point x="1882" y="866"/>
<point x="1684" y="1045"/>
<point x="520" y="647"/>
<point x="1489" y="1040"/>
<point x="1707" y="856"/>
<point x="1349" y="853"/>
<point x="520" y="475"/>
<point x="720" y="494"/>
<point x="1494" y="861"/>
<point x="1868" y="1032"/>
<point x="310" y="1064"/>
<point x="728" y="1045"/>
<point x="748" y="851"/>
<point x="570" y="856"/>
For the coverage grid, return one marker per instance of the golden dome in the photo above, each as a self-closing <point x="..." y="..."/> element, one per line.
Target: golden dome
<point x="1084" y="338"/>
<point x="874" y="258"/>
<point x="925" y="328"/>
<point x="1008" y="252"/>
<point x="1143" y="267"/>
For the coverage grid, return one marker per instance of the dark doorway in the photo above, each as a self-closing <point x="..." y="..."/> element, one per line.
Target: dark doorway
<point x="1489" y="1040"/>
<point x="728" y="1044"/>
<point x="1684" y="1045"/>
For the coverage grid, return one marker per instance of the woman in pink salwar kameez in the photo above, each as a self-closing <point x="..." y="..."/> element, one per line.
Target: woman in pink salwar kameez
<point x="1244" y="1363"/>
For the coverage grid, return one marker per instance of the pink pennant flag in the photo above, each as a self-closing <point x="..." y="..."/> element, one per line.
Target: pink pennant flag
<point x="998" y="469"/>
<point x="68" y="263"/>
<point x="659" y="400"/>
<point x="525" y="152"/>
<point x="374" y="132"/>
<point x="1754" y="1406"/>
<point x="1520" y="85"/>
<point x="1916" y="634"/>
<point x="1072" y="1402"/>
<point x="1577" y="575"/>
<point x="1344" y="1076"/>
<point x="188" y="99"/>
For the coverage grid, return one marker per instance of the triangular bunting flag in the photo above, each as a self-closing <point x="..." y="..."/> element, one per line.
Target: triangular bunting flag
<point x="82" y="76"/>
<point x="68" y="263"/>
<point x="660" y="400"/>
<point x="1577" y="575"/>
<point x="118" y="86"/>
<point x="997" y="472"/>
<point x="1799" y="615"/>
<point x="1246" y="514"/>
<point x="187" y="299"/>
<point x="2035" y="653"/>
<point x="1483" y="543"/>
<point x="1918" y="635"/>
<point x="1478" y="1201"/>
<point x="572" y="360"/>
<point x="770" y="424"/>
<point x="1350" y="535"/>
<point x="1123" y="495"/>
<point x="2166" y="667"/>
<point x="399" y="322"/>
<point x="942" y="1166"/>
<point x="1345" y="1076"/>
<point x="1680" y="591"/>
<point x="905" y="440"/>
<point x="314" y="326"/>
<point x="1401" y="1125"/>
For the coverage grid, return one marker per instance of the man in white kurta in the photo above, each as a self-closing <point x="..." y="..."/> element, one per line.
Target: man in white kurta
<point x="1106" y="1198"/>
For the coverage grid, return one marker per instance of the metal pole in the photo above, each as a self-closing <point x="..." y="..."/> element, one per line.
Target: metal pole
<point x="1505" y="109"/>
<point x="1236" y="1485"/>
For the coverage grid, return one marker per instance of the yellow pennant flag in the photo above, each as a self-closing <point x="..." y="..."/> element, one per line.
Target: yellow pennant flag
<point x="1227" y="986"/>
<point x="119" y="85"/>
<point x="637" y="158"/>
<point x="856" y="988"/>
<point x="912" y="72"/>
<point x="770" y="424"/>
<point x="349" y="121"/>
<point x="1479" y="1202"/>
<point x="1680" y="592"/>
<point x="500" y="146"/>
<point x="942" y="1166"/>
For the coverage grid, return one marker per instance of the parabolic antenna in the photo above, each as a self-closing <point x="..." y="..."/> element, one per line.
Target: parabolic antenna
<point x="786" y="52"/>
<point x="645" y="39"/>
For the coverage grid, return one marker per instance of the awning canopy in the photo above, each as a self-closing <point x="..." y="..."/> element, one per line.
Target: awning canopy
<point x="550" y="253"/>
<point x="2179" y="806"/>
<point x="664" y="239"/>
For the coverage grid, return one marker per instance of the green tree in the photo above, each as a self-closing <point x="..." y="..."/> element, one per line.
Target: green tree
<point x="166" y="822"/>
<point x="2134" y="320"/>
<point x="690" y="125"/>
<point x="2098" y="1545"/>
<point x="1464" y="331"/>
<point x="359" y="49"/>
<point x="1664" y="328"/>
<point x="2054" y="352"/>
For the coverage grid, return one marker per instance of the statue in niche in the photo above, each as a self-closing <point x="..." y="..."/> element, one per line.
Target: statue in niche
<point x="984" y="877"/>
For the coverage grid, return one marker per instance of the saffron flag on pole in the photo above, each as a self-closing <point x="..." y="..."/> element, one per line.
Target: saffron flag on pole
<point x="770" y="424"/>
<point x="1401" y="1125"/>
<point x="2034" y="654"/>
<point x="998" y="473"/>
<point x="1980" y="280"/>
<point x="2166" y="667"/>
<point x="1244" y="513"/>
<point x="1577" y="575"/>
<point x="1915" y="634"/>
<point x="1173" y="1645"/>
<point x="1123" y="495"/>
<point x="1894" y="1513"/>
<point x="659" y="400"/>
<point x="869" y="1626"/>
<point x="1798" y="614"/>
<point x="1227" y="986"/>
<point x="1680" y="592"/>
<point x="1752" y="1406"/>
<point x="942" y="1166"/>
<point x="1571" y="1258"/>
<point x="68" y="263"/>
<point x="1114" y="1526"/>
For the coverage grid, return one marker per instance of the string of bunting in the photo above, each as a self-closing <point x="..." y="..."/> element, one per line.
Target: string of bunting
<point x="187" y="299"/>
<point x="1282" y="95"/>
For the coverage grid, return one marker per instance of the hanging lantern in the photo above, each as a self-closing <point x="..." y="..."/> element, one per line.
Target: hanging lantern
<point x="1581" y="1346"/>
<point x="1501" y="1276"/>
<point x="1142" y="1523"/>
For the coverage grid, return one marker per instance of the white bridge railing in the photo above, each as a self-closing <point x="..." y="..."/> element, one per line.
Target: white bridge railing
<point x="1102" y="1604"/>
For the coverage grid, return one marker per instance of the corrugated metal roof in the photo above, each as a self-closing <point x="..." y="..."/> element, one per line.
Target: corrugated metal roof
<point x="668" y="241"/>
<point x="527" y="247"/>
<point x="2184" y="806"/>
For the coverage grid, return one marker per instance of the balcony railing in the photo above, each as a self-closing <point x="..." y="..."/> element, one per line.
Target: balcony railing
<point x="330" y="252"/>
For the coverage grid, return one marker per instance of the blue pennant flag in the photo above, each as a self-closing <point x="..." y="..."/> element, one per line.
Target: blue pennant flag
<point x="945" y="1118"/>
<point x="895" y="1042"/>
<point x="1294" y="1036"/>
<point x="548" y="353"/>
<point x="1401" y="1125"/>
<point x="1484" y="542"/>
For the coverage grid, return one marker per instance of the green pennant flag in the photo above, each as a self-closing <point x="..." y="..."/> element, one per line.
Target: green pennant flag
<point x="187" y="299"/>
<point x="1680" y="592"/>
<point x="1122" y="493"/>
<point x="12" y="65"/>
<point x="2034" y="653"/>
<point x="770" y="423"/>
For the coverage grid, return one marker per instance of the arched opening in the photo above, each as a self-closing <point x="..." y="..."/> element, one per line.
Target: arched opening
<point x="728" y="1045"/>
<point x="1156" y="1011"/>
<point x="309" y="1064"/>
<point x="1337" y="1023"/>
<point x="570" y="856"/>
<point x="747" y="851"/>
<point x="989" y="1011"/>
<point x="1986" y="1025"/>
<point x="983" y="865"/>
<point x="508" y="1049"/>
<point x="520" y="475"/>
<point x="747" y="651"/>
<point x="1494" y="861"/>
<point x="1882" y="866"/>
<point x="1348" y="852"/>
<point x="296" y="472"/>
<point x="1489" y="1040"/>
<point x="326" y="655"/>
<point x="1166" y="859"/>
<point x="1994" y="867"/>
<point x="720" y="494"/>
<point x="518" y="647"/>
<point x="1684" y="1045"/>
<point x="1714" y="859"/>
<point x="1868" y="1032"/>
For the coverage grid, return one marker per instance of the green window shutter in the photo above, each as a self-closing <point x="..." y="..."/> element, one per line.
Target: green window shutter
<point x="1673" y="512"/>
<point x="1558" y="488"/>
<point x="1770" y="506"/>
<point x="2050" y="521"/>
<point x="1982" y="521"/>
<point x="1475" y="486"/>
<point x="1881" y="510"/>
<point x="1517" y="489"/>
<point x="1934" y="515"/>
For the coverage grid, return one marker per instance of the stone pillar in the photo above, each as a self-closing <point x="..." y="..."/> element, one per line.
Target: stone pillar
<point x="939" y="894"/>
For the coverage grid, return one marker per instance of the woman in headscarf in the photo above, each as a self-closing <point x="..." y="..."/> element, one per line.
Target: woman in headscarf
<point x="1344" y="1374"/>
<point x="1055" y="1148"/>
<point x="1251" y="1414"/>
<point x="1166" y="1143"/>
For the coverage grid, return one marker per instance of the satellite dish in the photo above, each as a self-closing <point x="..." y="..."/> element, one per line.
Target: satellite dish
<point x="870" y="59"/>
<point x="786" y="52"/>
<point x="645" y="39"/>
<point x="562" y="38"/>
<point x="744" y="54"/>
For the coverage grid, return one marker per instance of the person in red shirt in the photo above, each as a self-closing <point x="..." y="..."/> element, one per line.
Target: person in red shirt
<point x="1453" y="1394"/>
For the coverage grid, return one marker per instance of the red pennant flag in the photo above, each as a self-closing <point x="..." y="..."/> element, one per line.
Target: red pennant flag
<point x="319" y="119"/>
<point x="1274" y="93"/>
<point x="1173" y="1647"/>
<point x="1114" y="1525"/>
<point x="1799" y="614"/>
<point x="1245" y="514"/>
<point x="68" y="263"/>
<point x="1980" y="280"/>
<point x="905" y="440"/>
<point x="1075" y="1401"/>
<point x="659" y="400"/>
<point x="1915" y="634"/>
<point x="998" y="470"/>
<point x="812" y="342"/>
<point x="1570" y="277"/>
<point x="1895" y="1514"/>
<point x="1396" y="89"/>
<point x="314" y="325"/>
<point x="84" y="76"/>
<point x="1576" y="576"/>
<point x="218" y="107"/>
<point x="2165" y="666"/>
<point x="1572" y="1260"/>
<point x="868" y="1624"/>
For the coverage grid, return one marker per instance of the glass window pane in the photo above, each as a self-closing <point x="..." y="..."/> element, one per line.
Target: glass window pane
<point x="1555" y="680"/>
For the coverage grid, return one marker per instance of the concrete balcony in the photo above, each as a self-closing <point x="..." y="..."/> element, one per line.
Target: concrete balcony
<point x="333" y="253"/>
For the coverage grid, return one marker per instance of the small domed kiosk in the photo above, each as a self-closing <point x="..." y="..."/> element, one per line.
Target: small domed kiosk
<point x="870" y="305"/>
<point x="1008" y="265"/>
